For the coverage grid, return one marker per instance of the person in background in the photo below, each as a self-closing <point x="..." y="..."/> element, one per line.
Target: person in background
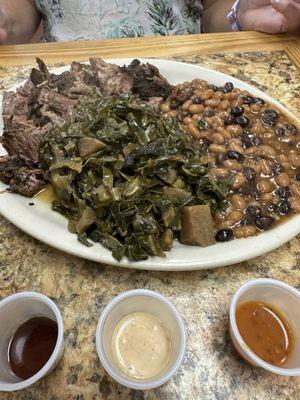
<point x="98" y="19"/>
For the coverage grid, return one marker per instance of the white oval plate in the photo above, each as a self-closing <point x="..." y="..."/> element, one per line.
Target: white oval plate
<point x="50" y="227"/>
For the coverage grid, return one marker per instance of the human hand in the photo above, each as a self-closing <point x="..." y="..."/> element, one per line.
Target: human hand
<point x="270" y="16"/>
<point x="3" y="30"/>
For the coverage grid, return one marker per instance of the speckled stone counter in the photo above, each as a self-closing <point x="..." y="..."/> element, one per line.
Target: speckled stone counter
<point x="82" y="288"/>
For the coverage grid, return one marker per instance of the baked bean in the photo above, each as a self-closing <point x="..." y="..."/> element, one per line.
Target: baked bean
<point x="219" y="217"/>
<point x="233" y="165"/>
<point x="235" y="130"/>
<point x="207" y="94"/>
<point x="221" y="130"/>
<point x="235" y="146"/>
<point x="295" y="160"/>
<point x="295" y="204"/>
<point x="218" y="95"/>
<point x="257" y="129"/>
<point x="187" y="105"/>
<point x="295" y="188"/>
<point x="209" y="120"/>
<point x="238" y="202"/>
<point x="244" y="231"/>
<point x="220" y="172"/>
<point x="194" y="131"/>
<point x="235" y="216"/>
<point x="267" y="198"/>
<point x="212" y="103"/>
<point x="227" y="135"/>
<point x="267" y="151"/>
<point x="224" y="105"/>
<point x="265" y="186"/>
<point x="226" y="225"/>
<point x="282" y="179"/>
<point x="239" y="180"/>
<point x="265" y="167"/>
<point x="255" y="108"/>
<point x="165" y="107"/>
<point x="217" y="138"/>
<point x="196" y="117"/>
<point x="215" y="148"/>
<point x="196" y="108"/>
<point x="189" y="120"/>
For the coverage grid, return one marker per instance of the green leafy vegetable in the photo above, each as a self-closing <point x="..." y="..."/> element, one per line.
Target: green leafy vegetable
<point x="122" y="173"/>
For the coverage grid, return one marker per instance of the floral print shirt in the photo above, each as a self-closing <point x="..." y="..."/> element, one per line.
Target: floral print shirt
<point x="99" y="19"/>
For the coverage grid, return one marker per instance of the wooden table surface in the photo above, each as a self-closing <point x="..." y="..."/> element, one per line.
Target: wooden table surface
<point x="150" y="47"/>
<point x="81" y="288"/>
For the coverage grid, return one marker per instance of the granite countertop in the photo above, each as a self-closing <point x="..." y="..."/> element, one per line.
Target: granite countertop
<point x="81" y="289"/>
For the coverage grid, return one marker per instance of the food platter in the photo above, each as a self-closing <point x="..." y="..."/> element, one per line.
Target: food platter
<point x="50" y="227"/>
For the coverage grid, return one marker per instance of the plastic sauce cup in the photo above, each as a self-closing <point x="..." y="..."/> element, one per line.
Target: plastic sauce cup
<point x="150" y="302"/>
<point x="287" y="300"/>
<point x="14" y="311"/>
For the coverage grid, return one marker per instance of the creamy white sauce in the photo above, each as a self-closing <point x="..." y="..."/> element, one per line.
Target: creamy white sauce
<point x="141" y="345"/>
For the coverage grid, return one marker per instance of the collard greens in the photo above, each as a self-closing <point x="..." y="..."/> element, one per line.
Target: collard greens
<point x="122" y="173"/>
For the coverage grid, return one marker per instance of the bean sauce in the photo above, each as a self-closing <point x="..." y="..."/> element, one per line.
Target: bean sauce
<point x="249" y="142"/>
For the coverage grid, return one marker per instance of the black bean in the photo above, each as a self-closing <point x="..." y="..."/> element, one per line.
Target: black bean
<point x="284" y="207"/>
<point x="271" y="113"/>
<point x="277" y="169"/>
<point x="229" y="120"/>
<point x="256" y="141"/>
<point x="228" y="87"/>
<point x="213" y="87"/>
<point x="249" y="174"/>
<point x="279" y="132"/>
<point x="283" y="192"/>
<point x="268" y="120"/>
<point x="272" y="207"/>
<point x="258" y="100"/>
<point x="246" y="222"/>
<point x="224" y="235"/>
<point x="243" y="121"/>
<point x="235" y="155"/>
<point x="205" y="144"/>
<point x="264" y="222"/>
<point x="297" y="177"/>
<point x="255" y="194"/>
<point x="220" y="157"/>
<point x="237" y="111"/>
<point x="290" y="129"/>
<point x="197" y="100"/>
<point x="247" y="99"/>
<point x="174" y="104"/>
<point x="253" y="211"/>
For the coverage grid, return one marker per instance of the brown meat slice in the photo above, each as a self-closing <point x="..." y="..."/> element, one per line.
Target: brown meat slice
<point x="110" y="78"/>
<point x="197" y="226"/>
<point x="147" y="80"/>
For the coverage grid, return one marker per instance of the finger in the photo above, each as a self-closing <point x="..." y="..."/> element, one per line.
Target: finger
<point x="290" y="9"/>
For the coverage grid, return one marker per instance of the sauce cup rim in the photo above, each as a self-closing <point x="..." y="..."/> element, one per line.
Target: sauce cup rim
<point x="10" y="387"/>
<point x="254" y="358"/>
<point x="119" y="377"/>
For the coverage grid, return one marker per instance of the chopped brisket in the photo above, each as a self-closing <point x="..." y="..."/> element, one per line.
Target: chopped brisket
<point x="22" y="175"/>
<point x="147" y="81"/>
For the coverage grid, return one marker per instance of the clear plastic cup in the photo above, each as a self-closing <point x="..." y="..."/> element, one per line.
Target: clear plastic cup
<point x="14" y="311"/>
<point x="287" y="300"/>
<point x="146" y="301"/>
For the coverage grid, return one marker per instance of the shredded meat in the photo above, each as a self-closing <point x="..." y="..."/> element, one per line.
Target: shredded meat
<point x="46" y="99"/>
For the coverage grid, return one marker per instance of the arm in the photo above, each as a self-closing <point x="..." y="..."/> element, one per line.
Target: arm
<point x="19" y="19"/>
<point x="270" y="16"/>
<point x="215" y="15"/>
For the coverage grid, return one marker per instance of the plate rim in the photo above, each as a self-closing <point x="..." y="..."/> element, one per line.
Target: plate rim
<point x="157" y="263"/>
